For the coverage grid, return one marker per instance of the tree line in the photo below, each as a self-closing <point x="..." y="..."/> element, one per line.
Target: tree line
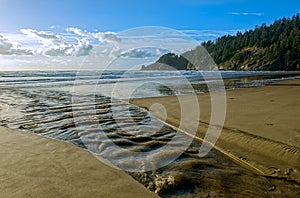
<point x="270" y="48"/>
<point x="273" y="47"/>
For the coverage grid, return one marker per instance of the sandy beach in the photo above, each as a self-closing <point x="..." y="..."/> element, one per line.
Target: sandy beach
<point x="261" y="130"/>
<point x="35" y="166"/>
<point x="252" y="137"/>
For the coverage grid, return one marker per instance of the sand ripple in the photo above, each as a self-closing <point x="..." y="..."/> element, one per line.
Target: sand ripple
<point x="52" y="114"/>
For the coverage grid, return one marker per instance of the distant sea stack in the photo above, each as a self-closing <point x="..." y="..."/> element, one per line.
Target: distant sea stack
<point x="169" y="61"/>
<point x="266" y="48"/>
<point x="196" y="59"/>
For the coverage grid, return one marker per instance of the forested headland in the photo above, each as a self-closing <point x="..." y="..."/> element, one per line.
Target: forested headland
<point x="266" y="48"/>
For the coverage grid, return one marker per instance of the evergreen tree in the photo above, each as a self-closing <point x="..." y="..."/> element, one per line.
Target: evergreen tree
<point x="274" y="47"/>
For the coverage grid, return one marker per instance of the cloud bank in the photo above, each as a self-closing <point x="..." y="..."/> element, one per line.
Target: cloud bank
<point x="247" y="13"/>
<point x="9" y="48"/>
<point x="100" y="36"/>
<point x="56" y="45"/>
<point x="71" y="47"/>
<point x="74" y="42"/>
<point x="31" y="48"/>
<point x="149" y="52"/>
<point x="204" y="35"/>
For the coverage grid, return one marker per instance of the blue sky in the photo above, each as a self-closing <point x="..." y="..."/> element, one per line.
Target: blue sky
<point x="66" y="28"/>
<point x="116" y="15"/>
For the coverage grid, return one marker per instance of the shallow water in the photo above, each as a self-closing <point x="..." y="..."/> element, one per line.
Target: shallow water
<point x="129" y="138"/>
<point x="137" y="84"/>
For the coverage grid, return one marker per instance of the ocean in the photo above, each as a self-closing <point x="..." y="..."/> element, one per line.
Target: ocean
<point x="144" y="83"/>
<point x="89" y="109"/>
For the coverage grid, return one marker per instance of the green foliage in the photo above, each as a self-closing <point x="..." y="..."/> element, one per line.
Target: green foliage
<point x="168" y="61"/>
<point x="274" y="47"/>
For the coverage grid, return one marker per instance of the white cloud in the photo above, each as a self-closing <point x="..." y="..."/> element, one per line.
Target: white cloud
<point x="106" y="37"/>
<point x="205" y="35"/>
<point x="12" y="48"/>
<point x="78" y="31"/>
<point x="70" y="47"/>
<point x="247" y="13"/>
<point x="56" y="45"/>
<point x="149" y="52"/>
<point x="100" y="36"/>
<point x="49" y="50"/>
<point x="78" y="42"/>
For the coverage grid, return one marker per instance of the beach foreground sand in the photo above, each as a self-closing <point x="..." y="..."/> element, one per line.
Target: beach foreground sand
<point x="35" y="166"/>
<point x="261" y="130"/>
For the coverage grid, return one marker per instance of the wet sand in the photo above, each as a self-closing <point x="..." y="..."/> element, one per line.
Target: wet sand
<point x="261" y="130"/>
<point x="35" y="166"/>
<point x="32" y="165"/>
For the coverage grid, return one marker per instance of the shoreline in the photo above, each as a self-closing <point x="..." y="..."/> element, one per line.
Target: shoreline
<point x="237" y="147"/>
<point x="267" y="151"/>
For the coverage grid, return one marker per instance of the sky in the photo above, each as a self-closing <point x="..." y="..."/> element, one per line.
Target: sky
<point x="35" y="32"/>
